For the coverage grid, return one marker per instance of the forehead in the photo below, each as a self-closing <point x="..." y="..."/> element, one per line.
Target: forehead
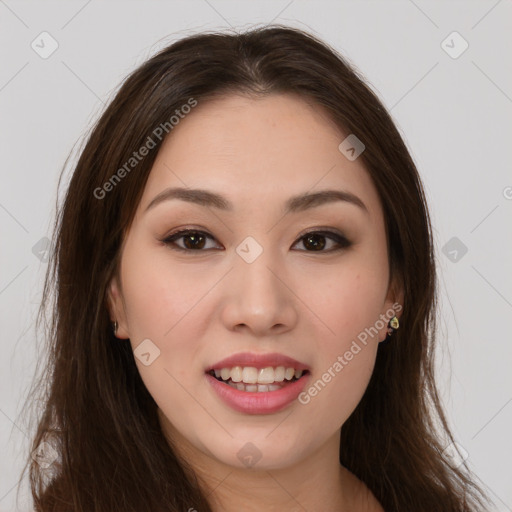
<point x="258" y="149"/>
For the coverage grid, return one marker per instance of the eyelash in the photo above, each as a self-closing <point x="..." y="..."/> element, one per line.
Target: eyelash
<point x="343" y="243"/>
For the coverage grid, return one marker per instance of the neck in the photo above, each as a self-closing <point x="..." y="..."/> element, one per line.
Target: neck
<point x="279" y="490"/>
<point x="316" y="482"/>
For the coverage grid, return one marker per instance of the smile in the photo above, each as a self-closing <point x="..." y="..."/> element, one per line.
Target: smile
<point x="254" y="380"/>
<point x="258" y="398"/>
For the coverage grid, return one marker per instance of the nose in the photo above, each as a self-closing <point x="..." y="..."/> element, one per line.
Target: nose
<point x="258" y="297"/>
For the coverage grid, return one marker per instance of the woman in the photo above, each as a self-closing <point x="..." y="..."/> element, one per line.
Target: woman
<point x="245" y="297"/>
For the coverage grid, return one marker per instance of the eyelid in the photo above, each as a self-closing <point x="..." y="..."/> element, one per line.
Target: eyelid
<point x="321" y="229"/>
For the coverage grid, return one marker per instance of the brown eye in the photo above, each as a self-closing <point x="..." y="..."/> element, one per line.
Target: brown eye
<point x="315" y="241"/>
<point x="193" y="240"/>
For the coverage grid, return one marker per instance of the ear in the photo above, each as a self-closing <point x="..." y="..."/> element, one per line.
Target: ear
<point x="117" y="308"/>
<point x="393" y="304"/>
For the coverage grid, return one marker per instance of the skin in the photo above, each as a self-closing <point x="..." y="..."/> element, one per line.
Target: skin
<point x="307" y="304"/>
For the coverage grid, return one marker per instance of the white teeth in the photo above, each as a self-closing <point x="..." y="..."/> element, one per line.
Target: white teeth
<point x="279" y="374"/>
<point x="266" y="375"/>
<point x="236" y="374"/>
<point x="254" y="388"/>
<point x="251" y="375"/>
<point x="289" y="373"/>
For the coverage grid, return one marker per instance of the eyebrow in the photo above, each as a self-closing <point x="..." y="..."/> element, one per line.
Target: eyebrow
<point x="294" y="204"/>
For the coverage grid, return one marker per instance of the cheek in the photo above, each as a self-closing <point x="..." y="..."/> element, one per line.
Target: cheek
<point x="349" y="302"/>
<point x="164" y="305"/>
<point x="346" y="298"/>
<point x="345" y="360"/>
<point x="158" y="293"/>
<point x="336" y="390"/>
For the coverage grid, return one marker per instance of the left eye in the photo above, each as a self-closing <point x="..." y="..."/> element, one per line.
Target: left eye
<point x="316" y="239"/>
<point x="194" y="240"/>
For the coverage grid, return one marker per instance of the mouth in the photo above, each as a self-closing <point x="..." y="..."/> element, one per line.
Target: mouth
<point x="258" y="383"/>
<point x="258" y="380"/>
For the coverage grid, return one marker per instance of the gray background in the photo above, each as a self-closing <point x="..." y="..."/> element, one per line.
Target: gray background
<point x="454" y="114"/>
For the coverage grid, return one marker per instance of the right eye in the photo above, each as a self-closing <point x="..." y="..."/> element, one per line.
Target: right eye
<point x="193" y="240"/>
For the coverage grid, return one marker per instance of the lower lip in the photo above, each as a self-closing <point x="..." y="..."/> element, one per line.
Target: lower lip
<point x="264" y="402"/>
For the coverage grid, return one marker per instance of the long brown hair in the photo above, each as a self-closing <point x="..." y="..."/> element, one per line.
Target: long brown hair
<point x="97" y="417"/>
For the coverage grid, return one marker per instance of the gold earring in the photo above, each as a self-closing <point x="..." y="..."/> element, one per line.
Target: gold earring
<point x="114" y="327"/>
<point x="393" y="325"/>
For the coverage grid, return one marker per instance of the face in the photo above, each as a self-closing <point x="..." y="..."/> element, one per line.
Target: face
<point x="270" y="287"/>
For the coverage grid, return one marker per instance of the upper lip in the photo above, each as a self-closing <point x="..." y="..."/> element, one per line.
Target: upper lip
<point x="258" y="361"/>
